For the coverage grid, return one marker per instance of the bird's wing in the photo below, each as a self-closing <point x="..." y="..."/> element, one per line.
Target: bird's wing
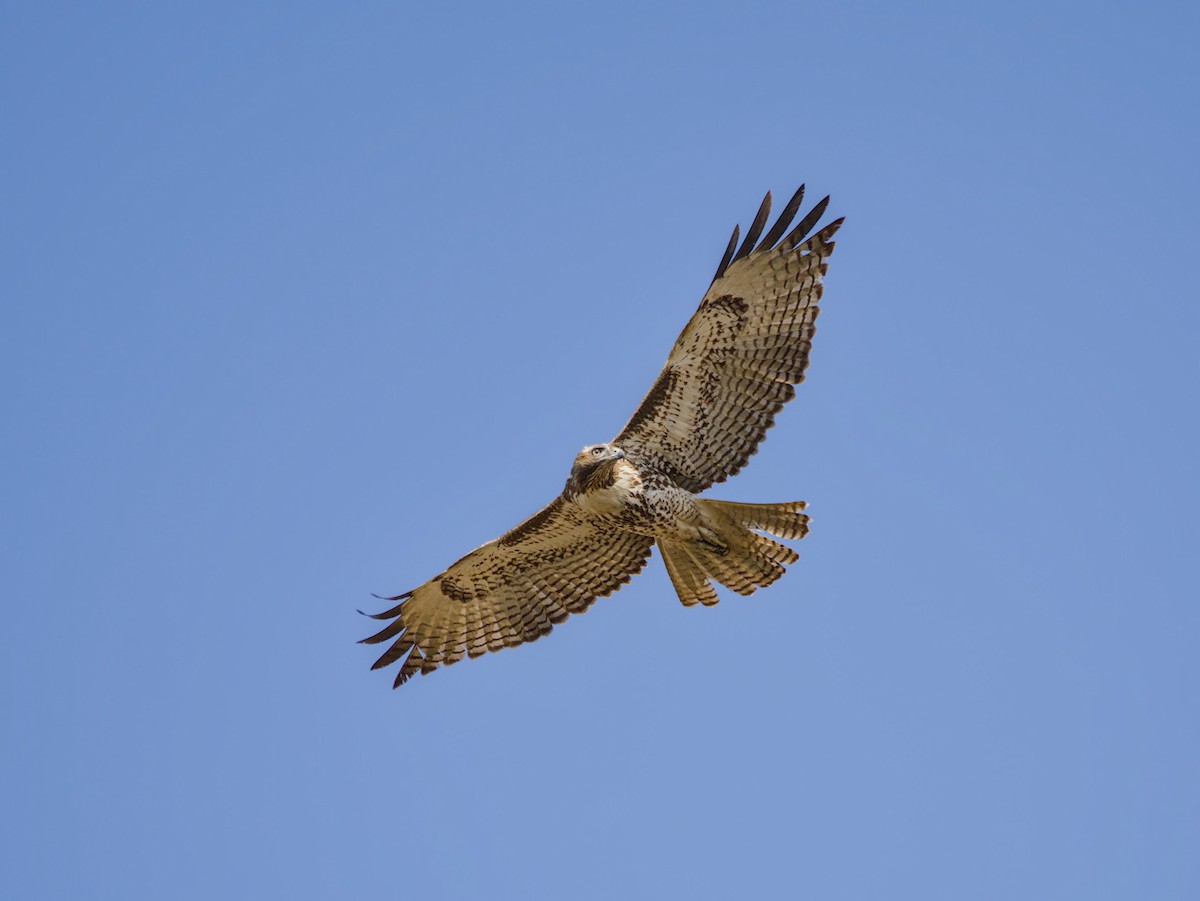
<point x="737" y="360"/>
<point x="509" y="591"/>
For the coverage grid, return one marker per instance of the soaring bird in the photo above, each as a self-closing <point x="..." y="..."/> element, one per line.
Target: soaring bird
<point x="732" y="369"/>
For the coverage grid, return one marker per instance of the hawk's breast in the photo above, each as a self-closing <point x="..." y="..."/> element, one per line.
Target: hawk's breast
<point x="612" y="495"/>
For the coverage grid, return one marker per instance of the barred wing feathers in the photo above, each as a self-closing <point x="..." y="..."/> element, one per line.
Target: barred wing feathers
<point x="738" y="358"/>
<point x="509" y="591"/>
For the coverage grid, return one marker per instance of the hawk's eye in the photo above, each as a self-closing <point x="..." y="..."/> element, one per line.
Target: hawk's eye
<point x="597" y="451"/>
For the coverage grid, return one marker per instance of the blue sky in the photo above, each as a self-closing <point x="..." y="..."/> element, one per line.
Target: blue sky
<point x="301" y="302"/>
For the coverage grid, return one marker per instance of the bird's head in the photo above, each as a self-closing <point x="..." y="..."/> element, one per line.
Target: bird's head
<point x="592" y="462"/>
<point x="595" y="454"/>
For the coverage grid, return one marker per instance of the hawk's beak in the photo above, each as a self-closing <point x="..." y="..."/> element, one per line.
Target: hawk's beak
<point x="620" y="455"/>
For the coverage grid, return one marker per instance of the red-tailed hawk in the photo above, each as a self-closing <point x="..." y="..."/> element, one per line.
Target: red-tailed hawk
<point x="732" y="369"/>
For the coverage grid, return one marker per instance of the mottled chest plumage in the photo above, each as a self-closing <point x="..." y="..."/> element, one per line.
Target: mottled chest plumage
<point x="629" y="494"/>
<point x="606" y="489"/>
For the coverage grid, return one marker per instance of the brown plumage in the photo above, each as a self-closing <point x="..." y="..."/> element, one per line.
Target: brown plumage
<point x="731" y="370"/>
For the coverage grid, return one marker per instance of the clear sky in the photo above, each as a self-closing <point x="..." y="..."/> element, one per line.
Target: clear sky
<point x="303" y="301"/>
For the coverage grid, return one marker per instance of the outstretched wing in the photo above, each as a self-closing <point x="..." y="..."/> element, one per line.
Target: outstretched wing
<point x="509" y="591"/>
<point x="735" y="364"/>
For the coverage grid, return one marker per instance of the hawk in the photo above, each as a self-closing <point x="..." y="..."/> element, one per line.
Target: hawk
<point x="732" y="369"/>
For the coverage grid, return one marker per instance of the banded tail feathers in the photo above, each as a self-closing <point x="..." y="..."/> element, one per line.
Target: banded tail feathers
<point x="749" y="560"/>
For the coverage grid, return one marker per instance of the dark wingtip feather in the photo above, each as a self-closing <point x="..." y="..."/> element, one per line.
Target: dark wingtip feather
<point x="785" y="219"/>
<point x="394" y="612"/>
<point x="734" y="252"/>
<point x="755" y="229"/>
<point x="728" y="252"/>
<point x="800" y="232"/>
<point x="391" y="630"/>
<point x="413" y="664"/>
<point x="398" y="597"/>
<point x="392" y="654"/>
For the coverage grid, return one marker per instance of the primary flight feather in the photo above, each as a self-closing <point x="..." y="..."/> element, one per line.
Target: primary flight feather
<point x="732" y="369"/>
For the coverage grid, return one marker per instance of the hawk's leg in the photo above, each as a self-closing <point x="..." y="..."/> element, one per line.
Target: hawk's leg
<point x="711" y="541"/>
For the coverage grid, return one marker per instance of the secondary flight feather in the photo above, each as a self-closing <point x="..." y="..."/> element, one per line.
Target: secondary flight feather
<point x="732" y="369"/>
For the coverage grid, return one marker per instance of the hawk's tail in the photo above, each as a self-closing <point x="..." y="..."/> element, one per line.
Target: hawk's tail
<point x="733" y="553"/>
